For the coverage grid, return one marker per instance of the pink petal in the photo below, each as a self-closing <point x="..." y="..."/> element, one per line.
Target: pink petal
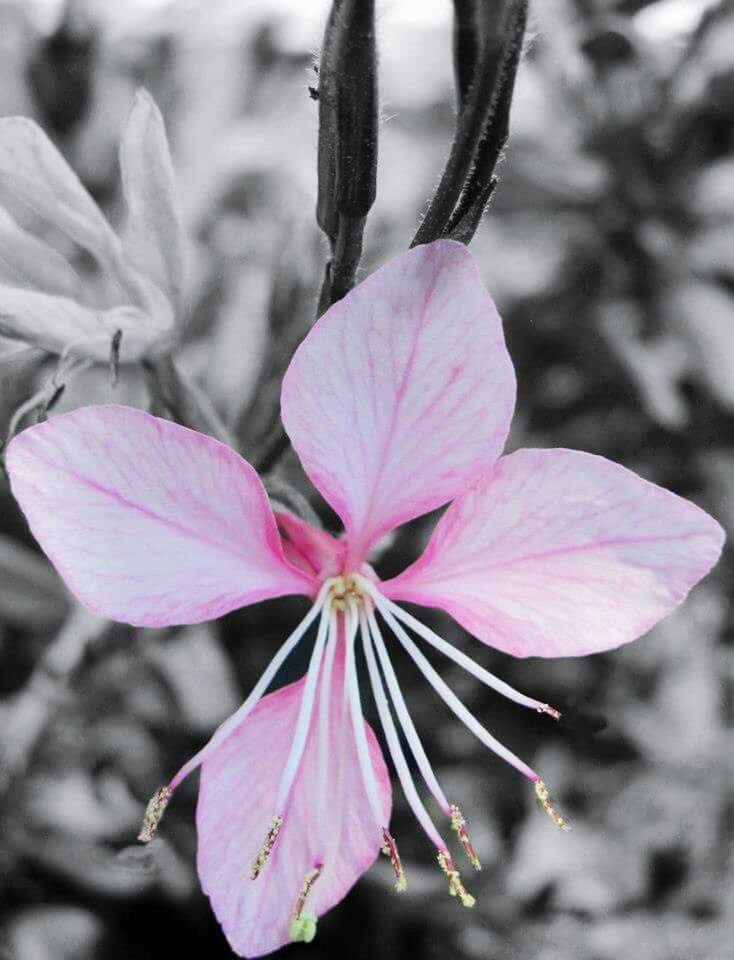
<point x="146" y="521"/>
<point x="559" y="553"/>
<point x="314" y="551"/>
<point x="236" y="803"/>
<point x="402" y="393"/>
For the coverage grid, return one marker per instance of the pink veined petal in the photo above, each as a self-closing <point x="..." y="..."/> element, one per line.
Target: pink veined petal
<point x="314" y="551"/>
<point x="239" y="783"/>
<point x="402" y="393"/>
<point x="558" y="553"/>
<point x="148" y="522"/>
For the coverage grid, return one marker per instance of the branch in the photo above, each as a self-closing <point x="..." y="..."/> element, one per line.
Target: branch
<point x="485" y="73"/>
<point x="347" y="147"/>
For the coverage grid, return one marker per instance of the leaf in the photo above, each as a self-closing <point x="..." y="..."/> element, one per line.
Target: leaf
<point x="57" y="323"/>
<point x="153" y="240"/>
<point x="19" y="370"/>
<point x="31" y="594"/>
<point x="34" y="172"/>
<point x="200" y="676"/>
<point x="26" y="261"/>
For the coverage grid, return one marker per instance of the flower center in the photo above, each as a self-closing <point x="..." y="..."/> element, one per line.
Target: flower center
<point x="343" y="589"/>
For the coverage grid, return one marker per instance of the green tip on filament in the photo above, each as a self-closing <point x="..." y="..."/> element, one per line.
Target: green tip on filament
<point x="302" y="929"/>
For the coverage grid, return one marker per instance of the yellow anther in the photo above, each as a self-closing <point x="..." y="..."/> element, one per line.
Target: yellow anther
<point x="153" y="813"/>
<point x="343" y="589"/>
<point x="548" y="709"/>
<point x="456" y="887"/>
<point x="390" y="849"/>
<point x="266" y="848"/>
<point x="546" y="802"/>
<point x="458" y="824"/>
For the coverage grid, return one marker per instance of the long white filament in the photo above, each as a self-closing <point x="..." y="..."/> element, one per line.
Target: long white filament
<point x="444" y="691"/>
<point x="360" y="736"/>
<point x="225" y="729"/>
<point x="449" y="650"/>
<point x="393" y="741"/>
<point x="322" y="791"/>
<point x="336" y="810"/>
<point x="304" y="714"/>
<point x="404" y="717"/>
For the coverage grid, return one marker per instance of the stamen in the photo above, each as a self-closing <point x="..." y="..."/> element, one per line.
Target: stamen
<point x="258" y="690"/>
<point x="404" y="717"/>
<point x="303" y="929"/>
<point x="390" y="849"/>
<point x="153" y="813"/>
<point x="360" y="737"/>
<point x="266" y="848"/>
<point x="393" y="741"/>
<point x="322" y="792"/>
<point x="551" y="711"/>
<point x="546" y="802"/>
<point x="304" y="714"/>
<point x="449" y="650"/>
<point x="458" y="824"/>
<point x="300" y="734"/>
<point x="445" y="692"/>
<point x="456" y="887"/>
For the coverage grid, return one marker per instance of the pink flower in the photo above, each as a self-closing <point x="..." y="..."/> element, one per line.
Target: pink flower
<point x="397" y="402"/>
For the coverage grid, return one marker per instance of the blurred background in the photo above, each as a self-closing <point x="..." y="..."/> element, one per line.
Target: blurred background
<point x="609" y="250"/>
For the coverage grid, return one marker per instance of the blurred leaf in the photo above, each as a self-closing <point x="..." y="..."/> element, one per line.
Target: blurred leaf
<point x="580" y="870"/>
<point x="712" y="250"/>
<point x="99" y="871"/>
<point x="33" y="172"/>
<point x="712" y="195"/>
<point x="55" y="323"/>
<point x="72" y="802"/>
<point x="153" y="239"/>
<point x="31" y="594"/>
<point x="19" y="370"/>
<point x="28" y="262"/>
<point x="200" y="675"/>
<point x="655" y="365"/>
<point x="47" y="932"/>
<point x="702" y="316"/>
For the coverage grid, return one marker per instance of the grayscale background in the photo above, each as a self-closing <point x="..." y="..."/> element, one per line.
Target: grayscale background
<point x="609" y="250"/>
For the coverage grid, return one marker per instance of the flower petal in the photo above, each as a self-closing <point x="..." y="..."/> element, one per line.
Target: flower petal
<point x="26" y="261"/>
<point x="57" y="323"/>
<point x="33" y="172"/>
<point x="148" y="522"/>
<point x="402" y="393"/>
<point x="153" y="241"/>
<point x="236" y="802"/>
<point x="559" y="553"/>
<point x="315" y="551"/>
